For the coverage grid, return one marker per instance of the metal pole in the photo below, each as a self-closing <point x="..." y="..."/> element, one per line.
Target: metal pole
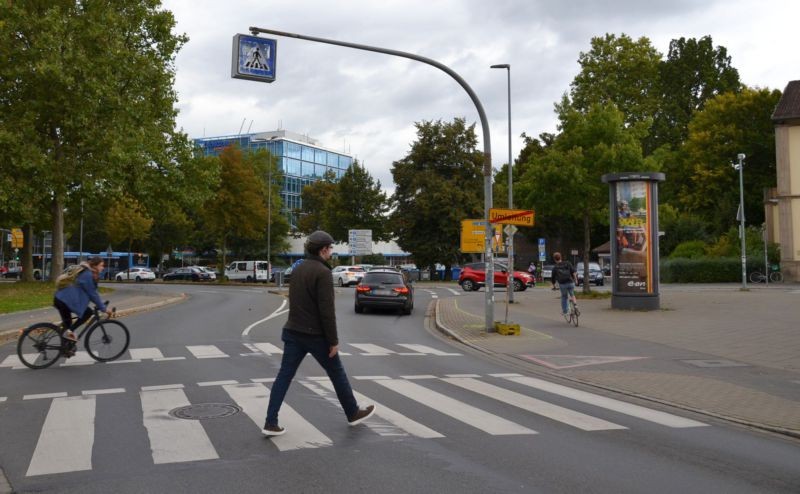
<point x="509" y="281"/>
<point x="741" y="157"/>
<point x="80" y="248"/>
<point x="766" y="260"/>
<point x="487" y="146"/>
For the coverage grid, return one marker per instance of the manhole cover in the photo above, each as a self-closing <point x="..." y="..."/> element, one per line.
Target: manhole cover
<point x="205" y="411"/>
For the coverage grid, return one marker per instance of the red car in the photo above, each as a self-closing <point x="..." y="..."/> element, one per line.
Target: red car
<point x="473" y="276"/>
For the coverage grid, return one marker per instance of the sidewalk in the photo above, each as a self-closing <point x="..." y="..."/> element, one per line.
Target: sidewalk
<point x="711" y="349"/>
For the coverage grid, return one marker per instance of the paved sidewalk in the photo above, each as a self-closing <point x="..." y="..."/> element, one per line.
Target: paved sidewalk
<point x="711" y="349"/>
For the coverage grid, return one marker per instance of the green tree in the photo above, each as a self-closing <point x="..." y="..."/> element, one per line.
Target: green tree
<point x="87" y="86"/>
<point x="318" y="199"/>
<point x="438" y="184"/>
<point x="359" y="203"/>
<point x="730" y="123"/>
<point x="127" y="221"/>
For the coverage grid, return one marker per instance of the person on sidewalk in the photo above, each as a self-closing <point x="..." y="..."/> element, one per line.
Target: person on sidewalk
<point x="311" y="328"/>
<point x="75" y="297"/>
<point x="566" y="276"/>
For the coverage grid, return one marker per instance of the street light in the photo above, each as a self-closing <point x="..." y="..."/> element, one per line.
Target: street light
<point x="510" y="296"/>
<point x="740" y="215"/>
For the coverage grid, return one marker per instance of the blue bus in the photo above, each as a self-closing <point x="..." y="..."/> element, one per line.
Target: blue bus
<point x="115" y="262"/>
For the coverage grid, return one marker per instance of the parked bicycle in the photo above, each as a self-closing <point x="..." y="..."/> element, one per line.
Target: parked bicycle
<point x="759" y="277"/>
<point x="42" y="344"/>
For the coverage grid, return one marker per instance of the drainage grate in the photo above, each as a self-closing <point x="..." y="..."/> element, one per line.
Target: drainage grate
<point x="205" y="411"/>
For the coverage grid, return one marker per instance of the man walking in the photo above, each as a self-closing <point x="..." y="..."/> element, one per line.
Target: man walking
<point x="311" y="328"/>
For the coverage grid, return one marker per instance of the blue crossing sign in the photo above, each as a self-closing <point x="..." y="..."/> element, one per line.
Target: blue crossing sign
<point x="253" y="58"/>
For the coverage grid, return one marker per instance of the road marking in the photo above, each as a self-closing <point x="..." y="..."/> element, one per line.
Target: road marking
<point x="571" y="361"/>
<point x="370" y="378"/>
<point x="372" y="350"/>
<point x="300" y="434"/>
<point x="637" y="411"/>
<point x="44" y="395"/>
<point x="539" y="407"/>
<point x="108" y="391"/>
<point x="206" y="351"/>
<point x="168" y="358"/>
<point x="463" y="375"/>
<point x="268" y="348"/>
<point x="433" y="294"/>
<point x="15" y="363"/>
<point x="271" y="316"/>
<point x="173" y="440"/>
<point x="217" y="383"/>
<point x="80" y="358"/>
<point x="129" y="361"/>
<point x="145" y="353"/>
<point x="397" y="419"/>
<point x="263" y="380"/>
<point x="162" y="387"/>
<point x="427" y="350"/>
<point x="472" y="416"/>
<point x="454" y="292"/>
<point x="65" y="443"/>
<point x="2" y="399"/>
<point x="419" y="376"/>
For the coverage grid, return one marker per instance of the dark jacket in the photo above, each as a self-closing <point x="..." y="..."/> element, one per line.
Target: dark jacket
<point x="563" y="272"/>
<point x="311" y="307"/>
<point x="78" y="295"/>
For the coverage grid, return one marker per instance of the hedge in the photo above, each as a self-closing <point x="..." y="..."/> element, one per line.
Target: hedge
<point x="705" y="270"/>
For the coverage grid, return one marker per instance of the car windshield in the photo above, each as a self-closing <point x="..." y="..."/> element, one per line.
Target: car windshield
<point x="383" y="279"/>
<point x="356" y="269"/>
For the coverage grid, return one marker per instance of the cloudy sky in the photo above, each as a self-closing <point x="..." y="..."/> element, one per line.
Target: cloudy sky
<point x="367" y="103"/>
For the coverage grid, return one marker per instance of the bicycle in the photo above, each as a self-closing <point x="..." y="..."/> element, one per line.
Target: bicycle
<point x="573" y="313"/>
<point x="42" y="344"/>
<point x="759" y="277"/>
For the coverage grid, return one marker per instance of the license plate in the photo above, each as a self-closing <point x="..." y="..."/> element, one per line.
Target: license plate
<point x="381" y="291"/>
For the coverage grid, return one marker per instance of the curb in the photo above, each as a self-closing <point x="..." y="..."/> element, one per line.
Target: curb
<point x="769" y="428"/>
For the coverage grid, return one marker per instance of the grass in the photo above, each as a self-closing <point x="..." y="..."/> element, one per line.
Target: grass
<point x="18" y="296"/>
<point x="591" y="295"/>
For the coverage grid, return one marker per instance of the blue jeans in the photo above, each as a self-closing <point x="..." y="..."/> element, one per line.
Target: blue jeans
<point x="567" y="289"/>
<point x="295" y="348"/>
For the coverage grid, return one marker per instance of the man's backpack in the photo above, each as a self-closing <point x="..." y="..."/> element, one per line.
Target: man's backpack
<point x="68" y="277"/>
<point x="562" y="272"/>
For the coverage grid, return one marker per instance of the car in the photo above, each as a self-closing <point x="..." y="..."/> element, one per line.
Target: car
<point x="187" y="274"/>
<point x="473" y="276"/>
<point x="287" y="273"/>
<point x="248" y="271"/>
<point x="211" y="273"/>
<point x="365" y="267"/>
<point x="384" y="289"/>
<point x="375" y="268"/>
<point x="547" y="272"/>
<point x="595" y="274"/>
<point x="347" y="275"/>
<point x="135" y="274"/>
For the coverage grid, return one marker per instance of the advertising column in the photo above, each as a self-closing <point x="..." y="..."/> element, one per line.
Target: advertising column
<point x="633" y="199"/>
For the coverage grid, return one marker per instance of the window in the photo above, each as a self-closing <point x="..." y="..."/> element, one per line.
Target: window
<point x="292" y="166"/>
<point x="320" y="157"/>
<point x="308" y="154"/>
<point x="293" y="150"/>
<point x="241" y="266"/>
<point x="333" y="160"/>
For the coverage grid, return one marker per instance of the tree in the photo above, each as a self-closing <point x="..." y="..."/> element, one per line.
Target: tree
<point x="127" y="220"/>
<point x="359" y="203"/>
<point x="730" y="123"/>
<point x="87" y="88"/>
<point x="238" y="208"/>
<point x="317" y="200"/>
<point x="438" y="184"/>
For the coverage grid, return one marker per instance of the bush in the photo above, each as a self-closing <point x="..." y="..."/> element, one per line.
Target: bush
<point x="704" y="270"/>
<point x="693" y="249"/>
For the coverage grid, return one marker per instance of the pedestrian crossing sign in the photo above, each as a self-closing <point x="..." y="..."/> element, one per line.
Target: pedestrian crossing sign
<point x="253" y="58"/>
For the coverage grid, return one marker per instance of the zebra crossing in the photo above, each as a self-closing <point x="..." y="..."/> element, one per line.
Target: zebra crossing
<point x="73" y="419"/>
<point x="138" y="355"/>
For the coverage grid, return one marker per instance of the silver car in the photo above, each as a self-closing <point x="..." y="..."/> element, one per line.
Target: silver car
<point x="347" y="275"/>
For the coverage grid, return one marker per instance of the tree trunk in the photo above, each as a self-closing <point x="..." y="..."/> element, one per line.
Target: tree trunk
<point x="224" y="261"/>
<point x="27" y="253"/>
<point x="57" y="252"/>
<point x="587" y="246"/>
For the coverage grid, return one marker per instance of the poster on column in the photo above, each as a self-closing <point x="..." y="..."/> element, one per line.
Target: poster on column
<point x="633" y="245"/>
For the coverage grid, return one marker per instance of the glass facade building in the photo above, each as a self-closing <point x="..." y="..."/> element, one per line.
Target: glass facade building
<point x="301" y="161"/>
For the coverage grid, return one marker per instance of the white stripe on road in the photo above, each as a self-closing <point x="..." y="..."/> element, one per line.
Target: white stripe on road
<point x="206" y="351"/>
<point x="145" y="353"/>
<point x="427" y="350"/>
<point x="268" y="348"/>
<point x="539" y="407"/>
<point x="108" y="391"/>
<point x="14" y="362"/>
<point x="162" y="387"/>
<point x="2" y="399"/>
<point x="433" y="294"/>
<point x="419" y="376"/>
<point x="80" y="358"/>
<point x="217" y="383"/>
<point x="475" y="417"/>
<point x="372" y="350"/>
<point x="173" y="440"/>
<point x="273" y="315"/>
<point x="44" y="395"/>
<point x="637" y="411"/>
<point x="300" y="434"/>
<point x="168" y="358"/>
<point x="454" y="292"/>
<point x="65" y="443"/>
<point x="399" y="420"/>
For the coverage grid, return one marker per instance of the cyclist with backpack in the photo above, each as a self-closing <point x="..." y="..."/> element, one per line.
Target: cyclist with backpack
<point x="75" y="289"/>
<point x="566" y="276"/>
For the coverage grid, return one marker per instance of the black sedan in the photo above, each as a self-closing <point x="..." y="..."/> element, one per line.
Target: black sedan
<point x="187" y="274"/>
<point x="384" y="289"/>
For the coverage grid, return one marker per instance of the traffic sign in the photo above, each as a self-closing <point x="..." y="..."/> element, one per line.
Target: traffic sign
<point x="522" y="217"/>
<point x="359" y="242"/>
<point x="510" y="230"/>
<point x="473" y="236"/>
<point x="254" y="58"/>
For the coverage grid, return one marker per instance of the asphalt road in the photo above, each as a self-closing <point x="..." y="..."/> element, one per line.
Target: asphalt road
<point x="449" y="420"/>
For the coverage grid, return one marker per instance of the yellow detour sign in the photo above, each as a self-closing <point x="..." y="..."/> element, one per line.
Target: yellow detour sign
<point x="16" y="238"/>
<point x="473" y="234"/>
<point x="521" y="217"/>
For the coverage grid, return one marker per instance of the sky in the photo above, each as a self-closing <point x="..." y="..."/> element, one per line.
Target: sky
<point x="366" y="104"/>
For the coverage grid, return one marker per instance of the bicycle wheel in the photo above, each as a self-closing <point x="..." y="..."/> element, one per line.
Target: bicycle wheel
<point x="39" y="346"/>
<point x="776" y="277"/>
<point x="756" y="277"/>
<point x="107" y="340"/>
<point x="575" y="314"/>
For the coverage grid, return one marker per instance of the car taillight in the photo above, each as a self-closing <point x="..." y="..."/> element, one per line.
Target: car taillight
<point x="402" y="290"/>
<point x="363" y="289"/>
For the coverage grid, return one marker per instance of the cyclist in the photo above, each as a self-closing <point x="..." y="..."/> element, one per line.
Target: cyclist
<point x="75" y="298"/>
<point x="564" y="273"/>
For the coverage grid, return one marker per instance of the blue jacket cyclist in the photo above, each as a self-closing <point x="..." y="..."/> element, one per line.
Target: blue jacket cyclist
<point x="75" y="298"/>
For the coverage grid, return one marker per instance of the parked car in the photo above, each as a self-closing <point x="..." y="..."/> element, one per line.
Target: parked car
<point x="136" y="274"/>
<point x="187" y="274"/>
<point x="375" y="268"/>
<point x="547" y="272"/>
<point x="384" y="289"/>
<point x="249" y="271"/>
<point x="473" y="276"/>
<point x="595" y="274"/>
<point x="211" y="273"/>
<point x="347" y="275"/>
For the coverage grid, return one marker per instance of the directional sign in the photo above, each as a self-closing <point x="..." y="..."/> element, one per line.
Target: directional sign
<point x="473" y="236"/>
<point x="253" y="58"/>
<point x="521" y="217"/>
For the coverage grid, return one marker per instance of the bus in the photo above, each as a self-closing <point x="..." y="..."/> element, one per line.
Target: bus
<point x="115" y="262"/>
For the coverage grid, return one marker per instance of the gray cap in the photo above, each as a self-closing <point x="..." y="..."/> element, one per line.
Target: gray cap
<point x="318" y="239"/>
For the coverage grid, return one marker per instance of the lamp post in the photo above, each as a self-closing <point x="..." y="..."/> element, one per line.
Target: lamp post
<point x="80" y="248"/>
<point x="509" y="287"/>
<point x="740" y="216"/>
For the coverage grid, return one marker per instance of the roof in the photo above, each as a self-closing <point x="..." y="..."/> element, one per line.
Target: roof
<point x="788" y="108"/>
<point x="603" y="248"/>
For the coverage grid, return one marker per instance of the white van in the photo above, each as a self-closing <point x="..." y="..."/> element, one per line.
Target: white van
<point x="250" y="271"/>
